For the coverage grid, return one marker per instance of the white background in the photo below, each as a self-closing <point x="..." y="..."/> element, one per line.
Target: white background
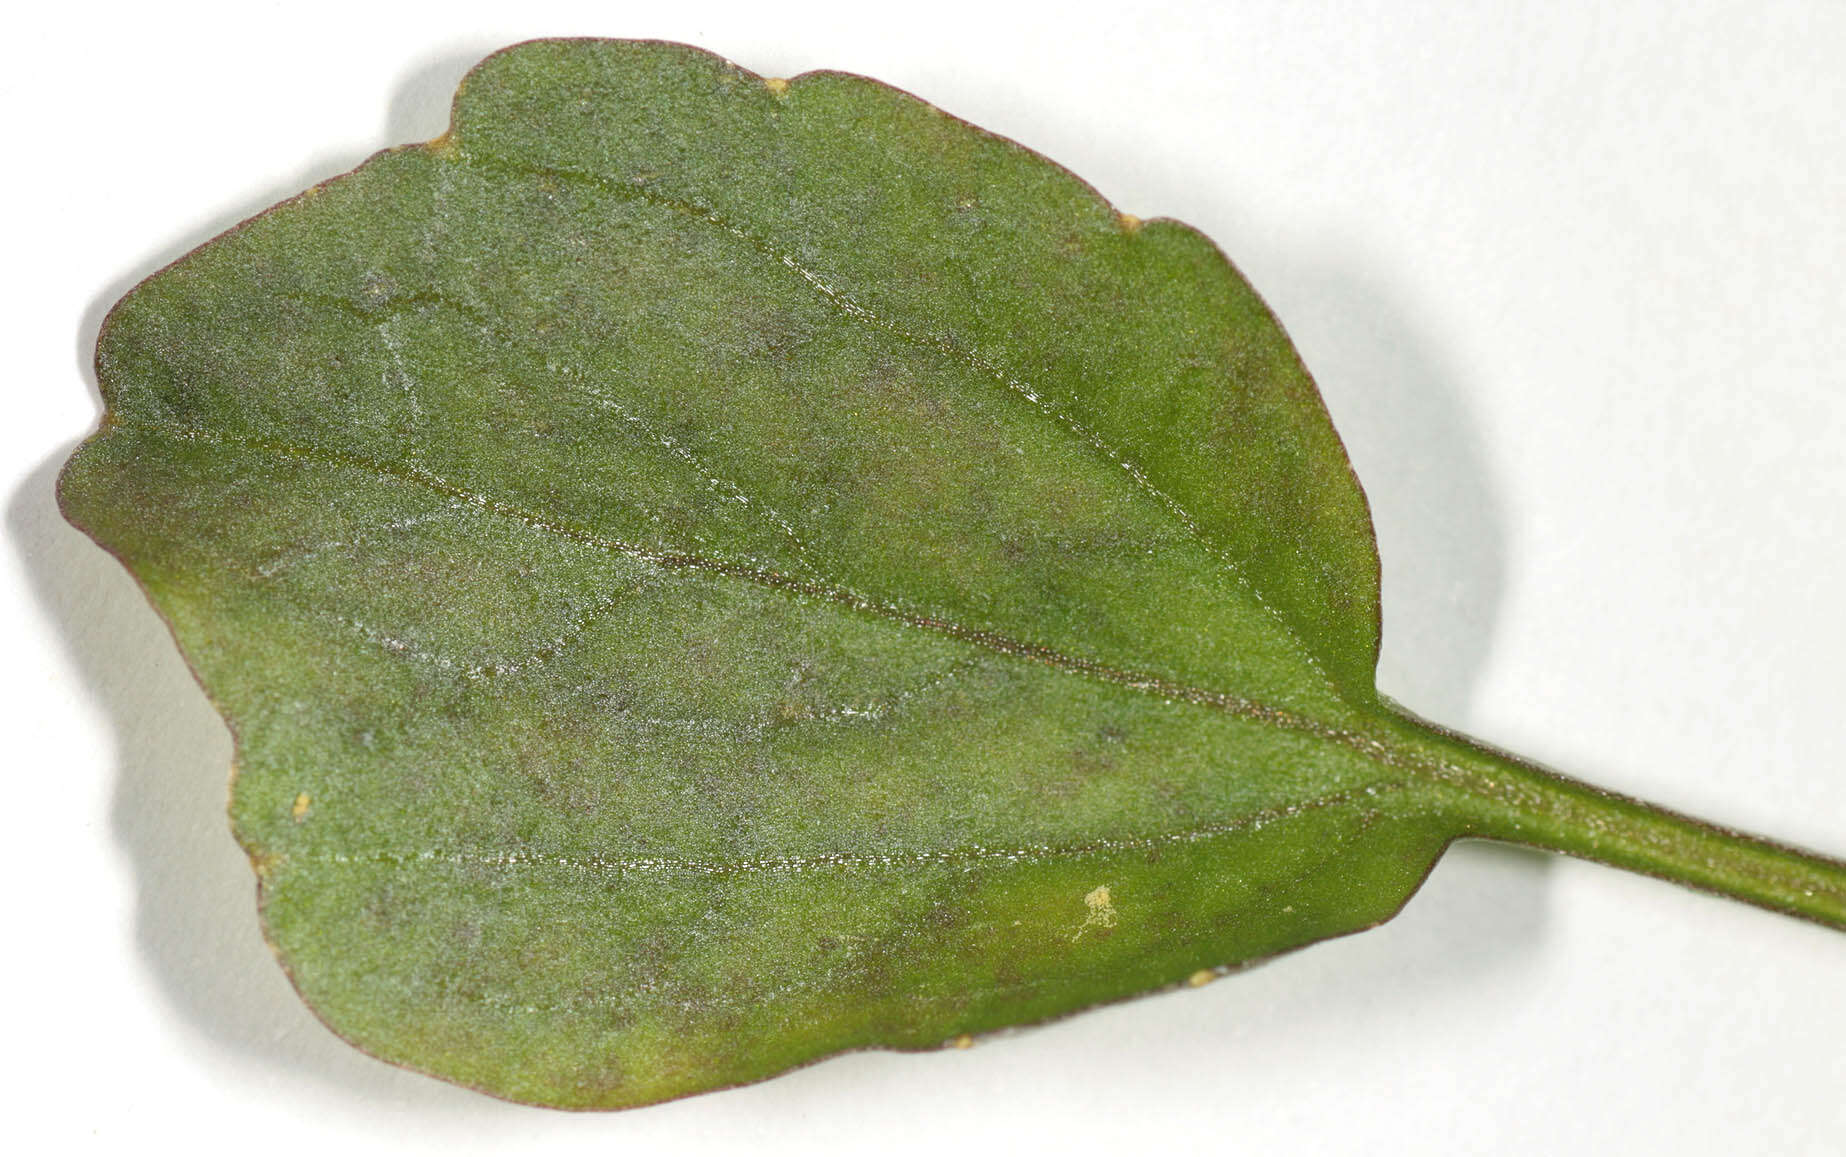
<point x="1574" y="283"/>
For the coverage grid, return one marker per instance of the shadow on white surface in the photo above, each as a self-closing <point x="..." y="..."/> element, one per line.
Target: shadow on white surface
<point x="1418" y="455"/>
<point x="1432" y="497"/>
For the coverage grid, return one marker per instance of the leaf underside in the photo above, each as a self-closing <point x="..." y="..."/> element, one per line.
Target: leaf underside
<point x="707" y="573"/>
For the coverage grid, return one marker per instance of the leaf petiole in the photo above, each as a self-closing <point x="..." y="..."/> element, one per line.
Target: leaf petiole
<point x="1515" y="801"/>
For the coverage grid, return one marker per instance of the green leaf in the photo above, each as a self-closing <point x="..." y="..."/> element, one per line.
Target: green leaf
<point x="705" y="573"/>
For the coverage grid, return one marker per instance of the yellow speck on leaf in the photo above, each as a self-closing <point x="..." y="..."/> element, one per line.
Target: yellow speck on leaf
<point x="301" y="806"/>
<point x="1102" y="911"/>
<point x="775" y="84"/>
<point x="1129" y="222"/>
<point x="964" y="1041"/>
<point x="1201" y="978"/>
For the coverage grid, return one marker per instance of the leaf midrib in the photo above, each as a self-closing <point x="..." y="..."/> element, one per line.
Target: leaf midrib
<point x="1143" y="682"/>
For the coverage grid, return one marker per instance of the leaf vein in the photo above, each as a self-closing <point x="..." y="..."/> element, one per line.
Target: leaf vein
<point x="967" y="856"/>
<point x="973" y="359"/>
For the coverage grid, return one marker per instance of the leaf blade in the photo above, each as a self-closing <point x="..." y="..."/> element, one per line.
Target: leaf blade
<point x="428" y="436"/>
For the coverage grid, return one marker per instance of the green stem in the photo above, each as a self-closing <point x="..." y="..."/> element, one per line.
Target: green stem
<point x="1518" y="802"/>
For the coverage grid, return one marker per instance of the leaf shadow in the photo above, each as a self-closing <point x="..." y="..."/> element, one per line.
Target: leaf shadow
<point x="1442" y="544"/>
<point x="195" y="922"/>
<point x="1403" y="421"/>
<point x="1416" y="451"/>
